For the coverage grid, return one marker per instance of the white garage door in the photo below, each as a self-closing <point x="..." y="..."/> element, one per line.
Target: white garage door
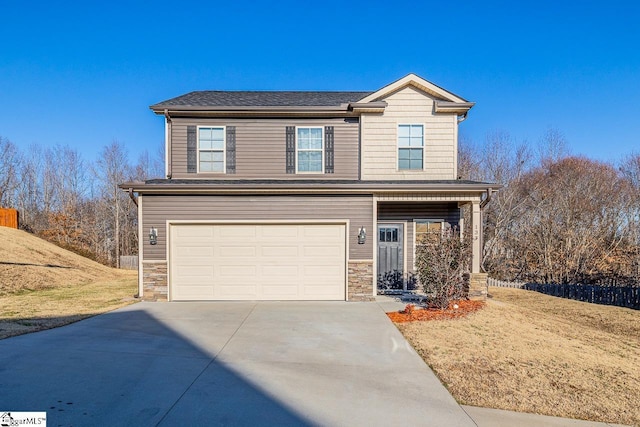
<point x="257" y="262"/>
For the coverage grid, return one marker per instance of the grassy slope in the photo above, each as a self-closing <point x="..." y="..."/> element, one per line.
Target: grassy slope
<point x="535" y="353"/>
<point x="44" y="286"/>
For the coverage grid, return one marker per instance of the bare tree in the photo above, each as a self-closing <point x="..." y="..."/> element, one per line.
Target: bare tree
<point x="9" y="166"/>
<point x="112" y="169"/>
<point x="552" y="146"/>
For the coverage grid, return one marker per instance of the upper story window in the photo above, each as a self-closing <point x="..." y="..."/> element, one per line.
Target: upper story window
<point x="310" y="149"/>
<point x="410" y="147"/>
<point x="211" y="144"/>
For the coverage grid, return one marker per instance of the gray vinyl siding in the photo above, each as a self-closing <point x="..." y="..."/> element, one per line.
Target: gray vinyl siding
<point x="157" y="210"/>
<point x="410" y="211"/>
<point x="261" y="147"/>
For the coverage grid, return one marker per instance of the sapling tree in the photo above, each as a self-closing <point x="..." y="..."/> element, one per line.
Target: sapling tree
<point x="442" y="259"/>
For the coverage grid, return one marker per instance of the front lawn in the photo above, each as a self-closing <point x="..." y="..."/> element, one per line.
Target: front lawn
<point x="31" y="311"/>
<point x="530" y="352"/>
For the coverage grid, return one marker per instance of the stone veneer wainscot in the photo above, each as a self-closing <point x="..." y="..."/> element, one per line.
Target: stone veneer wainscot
<point x="360" y="281"/>
<point x="154" y="281"/>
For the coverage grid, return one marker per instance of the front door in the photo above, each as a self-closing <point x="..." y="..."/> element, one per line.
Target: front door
<point x="390" y="257"/>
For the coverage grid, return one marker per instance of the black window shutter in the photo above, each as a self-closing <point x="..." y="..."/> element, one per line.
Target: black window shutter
<point x="291" y="149"/>
<point x="192" y="150"/>
<point x="328" y="149"/>
<point x="231" y="149"/>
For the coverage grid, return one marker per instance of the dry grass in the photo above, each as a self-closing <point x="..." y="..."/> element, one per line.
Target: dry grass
<point x="534" y="353"/>
<point x="43" y="286"/>
<point x="28" y="263"/>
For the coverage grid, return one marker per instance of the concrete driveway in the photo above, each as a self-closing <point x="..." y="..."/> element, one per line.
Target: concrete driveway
<point x="267" y="363"/>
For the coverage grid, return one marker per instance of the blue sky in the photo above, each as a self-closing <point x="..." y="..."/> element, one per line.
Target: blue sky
<point x="84" y="74"/>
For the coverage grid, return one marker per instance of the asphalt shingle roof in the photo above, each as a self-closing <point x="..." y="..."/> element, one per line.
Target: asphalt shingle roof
<point x="214" y="98"/>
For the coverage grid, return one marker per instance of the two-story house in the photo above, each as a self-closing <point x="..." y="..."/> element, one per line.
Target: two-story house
<point x="301" y="195"/>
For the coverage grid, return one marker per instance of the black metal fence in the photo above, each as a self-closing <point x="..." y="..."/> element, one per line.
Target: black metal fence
<point x="621" y="296"/>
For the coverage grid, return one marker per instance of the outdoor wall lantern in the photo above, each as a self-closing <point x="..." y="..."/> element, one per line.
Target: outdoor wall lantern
<point x="362" y="236"/>
<point x="153" y="236"/>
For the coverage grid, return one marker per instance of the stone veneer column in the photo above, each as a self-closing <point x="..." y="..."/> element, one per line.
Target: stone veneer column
<point x="154" y="281"/>
<point x="360" y="281"/>
<point x="478" y="286"/>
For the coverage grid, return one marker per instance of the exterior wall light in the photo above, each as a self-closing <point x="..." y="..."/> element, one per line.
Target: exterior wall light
<point x="153" y="236"/>
<point x="362" y="236"/>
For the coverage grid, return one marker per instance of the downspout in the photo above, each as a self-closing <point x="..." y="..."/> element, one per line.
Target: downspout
<point x="135" y="201"/>
<point x="167" y="142"/>
<point x="487" y="199"/>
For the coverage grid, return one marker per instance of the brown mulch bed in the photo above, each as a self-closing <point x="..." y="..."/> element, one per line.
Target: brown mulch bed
<point x="411" y="314"/>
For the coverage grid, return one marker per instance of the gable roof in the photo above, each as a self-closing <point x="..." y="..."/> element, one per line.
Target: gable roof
<point x="416" y="81"/>
<point x="321" y="102"/>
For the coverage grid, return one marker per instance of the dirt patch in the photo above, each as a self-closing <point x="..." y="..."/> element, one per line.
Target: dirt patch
<point x="530" y="352"/>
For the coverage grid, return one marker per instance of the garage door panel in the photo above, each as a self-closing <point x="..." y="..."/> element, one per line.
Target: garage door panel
<point x="323" y="251"/>
<point x="235" y="251"/>
<point x="277" y="290"/>
<point x="194" y="251"/>
<point x="188" y="271"/>
<point x="258" y="261"/>
<point x="237" y="290"/>
<point x="191" y="292"/>
<point x="322" y="271"/>
<point x="279" y="251"/>
<point x="194" y="232"/>
<point x="320" y="290"/>
<point x="279" y="231"/>
<point x="228" y="272"/>
<point x="236" y="232"/>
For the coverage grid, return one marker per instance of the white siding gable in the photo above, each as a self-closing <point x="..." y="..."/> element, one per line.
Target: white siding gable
<point x="408" y="105"/>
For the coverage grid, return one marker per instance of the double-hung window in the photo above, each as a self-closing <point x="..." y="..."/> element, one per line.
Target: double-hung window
<point x="410" y="147"/>
<point x="426" y="229"/>
<point x="211" y="144"/>
<point x="310" y="149"/>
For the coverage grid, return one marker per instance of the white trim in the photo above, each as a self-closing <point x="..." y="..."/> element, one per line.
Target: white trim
<point x="224" y="148"/>
<point x="424" y="145"/>
<point x="345" y="222"/>
<point x="375" y="246"/>
<point x="140" y="248"/>
<point x="413" y="80"/>
<point x="404" y="244"/>
<point x="296" y="147"/>
<point x="455" y="147"/>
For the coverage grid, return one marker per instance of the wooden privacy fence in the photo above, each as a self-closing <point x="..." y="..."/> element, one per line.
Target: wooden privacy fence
<point x="621" y="296"/>
<point x="129" y="262"/>
<point x="8" y="218"/>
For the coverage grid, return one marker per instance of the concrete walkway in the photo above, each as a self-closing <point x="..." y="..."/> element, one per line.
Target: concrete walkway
<point x="267" y="363"/>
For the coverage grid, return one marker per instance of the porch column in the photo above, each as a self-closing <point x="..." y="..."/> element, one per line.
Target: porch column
<point x="477" y="281"/>
<point x="476" y="227"/>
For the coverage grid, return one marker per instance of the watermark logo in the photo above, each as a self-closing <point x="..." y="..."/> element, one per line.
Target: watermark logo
<point x="10" y="419"/>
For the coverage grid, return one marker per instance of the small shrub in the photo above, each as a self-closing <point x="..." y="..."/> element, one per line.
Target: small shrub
<point x="408" y="309"/>
<point x="393" y="281"/>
